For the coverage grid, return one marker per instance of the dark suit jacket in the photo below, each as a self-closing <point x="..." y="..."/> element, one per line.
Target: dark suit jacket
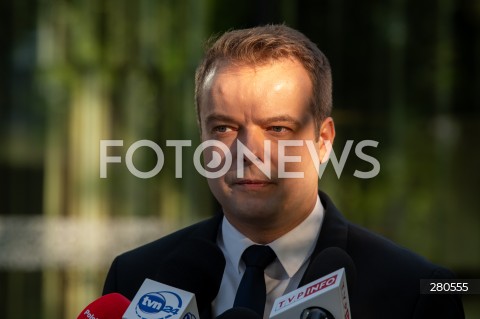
<point x="387" y="282"/>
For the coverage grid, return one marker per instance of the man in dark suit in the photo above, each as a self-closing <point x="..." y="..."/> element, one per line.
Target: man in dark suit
<point x="265" y="93"/>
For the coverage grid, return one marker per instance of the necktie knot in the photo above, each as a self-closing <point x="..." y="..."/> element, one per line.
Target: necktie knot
<point x="258" y="256"/>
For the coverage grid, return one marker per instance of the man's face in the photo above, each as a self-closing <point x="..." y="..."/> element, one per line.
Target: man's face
<point x="251" y="105"/>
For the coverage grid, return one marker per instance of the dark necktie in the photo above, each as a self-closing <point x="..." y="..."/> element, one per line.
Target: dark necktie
<point x="252" y="292"/>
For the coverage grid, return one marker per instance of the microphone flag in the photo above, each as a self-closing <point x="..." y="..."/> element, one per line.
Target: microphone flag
<point x="329" y="292"/>
<point x="155" y="300"/>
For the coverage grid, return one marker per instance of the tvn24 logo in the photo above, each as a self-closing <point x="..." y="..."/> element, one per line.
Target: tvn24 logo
<point x="160" y="305"/>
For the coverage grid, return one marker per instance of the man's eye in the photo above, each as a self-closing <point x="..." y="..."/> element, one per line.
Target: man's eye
<point x="278" y="129"/>
<point x="221" y="129"/>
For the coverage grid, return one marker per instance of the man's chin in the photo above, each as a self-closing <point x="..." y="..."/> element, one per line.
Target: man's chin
<point x="249" y="215"/>
<point x="254" y="206"/>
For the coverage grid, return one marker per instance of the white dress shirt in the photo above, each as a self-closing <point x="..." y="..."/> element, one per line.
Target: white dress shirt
<point x="293" y="252"/>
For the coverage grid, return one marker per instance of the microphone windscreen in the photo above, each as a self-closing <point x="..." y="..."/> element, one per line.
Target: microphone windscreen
<point x="196" y="266"/>
<point x="110" y="306"/>
<point x="239" y="313"/>
<point x="328" y="261"/>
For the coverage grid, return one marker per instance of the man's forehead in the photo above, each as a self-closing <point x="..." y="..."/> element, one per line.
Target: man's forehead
<point x="232" y="66"/>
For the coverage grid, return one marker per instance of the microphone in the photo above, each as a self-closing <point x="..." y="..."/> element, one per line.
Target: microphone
<point x="329" y="260"/>
<point x="196" y="266"/>
<point x="110" y="306"/>
<point x="188" y="276"/>
<point x="325" y="296"/>
<point x="239" y="313"/>
<point x="159" y="301"/>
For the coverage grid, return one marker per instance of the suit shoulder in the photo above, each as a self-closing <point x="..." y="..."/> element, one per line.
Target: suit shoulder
<point x="163" y="245"/>
<point x="129" y="270"/>
<point x="391" y="273"/>
<point x="369" y="249"/>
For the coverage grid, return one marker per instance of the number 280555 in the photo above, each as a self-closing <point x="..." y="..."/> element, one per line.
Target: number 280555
<point x="448" y="287"/>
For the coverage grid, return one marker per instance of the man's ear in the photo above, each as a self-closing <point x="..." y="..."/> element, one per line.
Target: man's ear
<point x="325" y="140"/>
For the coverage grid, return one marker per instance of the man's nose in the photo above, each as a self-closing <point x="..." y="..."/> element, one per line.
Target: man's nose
<point x="253" y="143"/>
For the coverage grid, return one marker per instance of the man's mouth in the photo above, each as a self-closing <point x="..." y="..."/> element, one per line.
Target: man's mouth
<point x="252" y="183"/>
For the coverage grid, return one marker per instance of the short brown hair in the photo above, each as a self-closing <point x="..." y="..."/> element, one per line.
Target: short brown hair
<point x="262" y="44"/>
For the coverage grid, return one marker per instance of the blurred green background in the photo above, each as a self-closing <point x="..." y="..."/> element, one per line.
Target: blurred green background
<point x="406" y="74"/>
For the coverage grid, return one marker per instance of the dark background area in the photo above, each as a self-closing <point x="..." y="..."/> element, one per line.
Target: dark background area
<point x="406" y="74"/>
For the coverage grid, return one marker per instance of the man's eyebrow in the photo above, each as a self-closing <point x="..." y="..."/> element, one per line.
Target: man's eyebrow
<point x="215" y="117"/>
<point x="280" y="118"/>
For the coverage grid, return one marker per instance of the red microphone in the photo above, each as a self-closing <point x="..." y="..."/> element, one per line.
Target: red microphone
<point x="110" y="306"/>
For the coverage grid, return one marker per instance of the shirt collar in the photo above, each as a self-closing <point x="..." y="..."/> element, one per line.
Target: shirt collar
<point x="292" y="249"/>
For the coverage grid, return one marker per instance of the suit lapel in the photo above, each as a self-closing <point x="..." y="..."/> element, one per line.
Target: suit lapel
<point x="209" y="228"/>
<point x="334" y="231"/>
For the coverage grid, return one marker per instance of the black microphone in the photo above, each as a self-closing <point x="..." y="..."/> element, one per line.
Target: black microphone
<point x="239" y="313"/>
<point x="325" y="296"/>
<point x="329" y="260"/>
<point x="196" y="265"/>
